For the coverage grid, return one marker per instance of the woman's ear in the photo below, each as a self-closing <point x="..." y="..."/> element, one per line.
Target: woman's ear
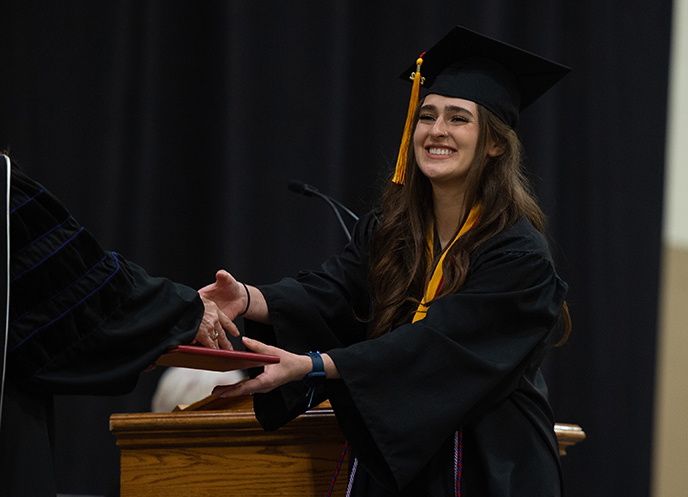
<point x="494" y="149"/>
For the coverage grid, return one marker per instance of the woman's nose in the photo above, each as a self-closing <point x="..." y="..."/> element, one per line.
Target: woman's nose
<point x="439" y="128"/>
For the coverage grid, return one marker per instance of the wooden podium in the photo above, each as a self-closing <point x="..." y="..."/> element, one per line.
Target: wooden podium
<point x="227" y="453"/>
<point x="219" y="453"/>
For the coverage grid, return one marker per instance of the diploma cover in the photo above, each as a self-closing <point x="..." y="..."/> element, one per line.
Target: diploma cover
<point x="196" y="357"/>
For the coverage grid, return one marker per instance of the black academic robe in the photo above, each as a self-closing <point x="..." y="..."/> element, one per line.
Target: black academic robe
<point x="82" y="320"/>
<point x="472" y="364"/>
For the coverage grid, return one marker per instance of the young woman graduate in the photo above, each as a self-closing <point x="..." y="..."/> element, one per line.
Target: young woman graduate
<point x="433" y="322"/>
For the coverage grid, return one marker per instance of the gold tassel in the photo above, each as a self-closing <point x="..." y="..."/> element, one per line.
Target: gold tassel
<point x="400" y="172"/>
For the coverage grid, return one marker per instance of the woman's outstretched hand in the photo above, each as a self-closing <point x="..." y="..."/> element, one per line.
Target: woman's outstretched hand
<point x="229" y="295"/>
<point x="292" y="367"/>
<point x="236" y="299"/>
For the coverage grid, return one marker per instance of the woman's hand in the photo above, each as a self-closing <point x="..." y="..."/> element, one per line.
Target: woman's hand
<point x="236" y="299"/>
<point x="211" y="332"/>
<point x="229" y="295"/>
<point x="292" y="367"/>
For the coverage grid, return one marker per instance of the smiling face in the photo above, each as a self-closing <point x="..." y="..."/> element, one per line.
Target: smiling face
<point x="445" y="140"/>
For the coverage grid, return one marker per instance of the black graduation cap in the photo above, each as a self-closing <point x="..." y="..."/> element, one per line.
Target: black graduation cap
<point x="465" y="64"/>
<point x="503" y="78"/>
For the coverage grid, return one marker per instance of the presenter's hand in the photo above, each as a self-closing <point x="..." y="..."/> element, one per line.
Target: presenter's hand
<point x="292" y="367"/>
<point x="211" y="332"/>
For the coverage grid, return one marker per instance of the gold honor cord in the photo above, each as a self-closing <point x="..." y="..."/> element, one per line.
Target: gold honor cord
<point x="437" y="276"/>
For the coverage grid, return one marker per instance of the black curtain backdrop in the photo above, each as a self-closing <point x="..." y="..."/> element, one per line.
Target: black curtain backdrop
<point x="171" y="129"/>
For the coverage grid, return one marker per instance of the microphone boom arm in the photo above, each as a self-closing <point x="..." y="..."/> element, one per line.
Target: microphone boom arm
<point x="308" y="190"/>
<point x="331" y="203"/>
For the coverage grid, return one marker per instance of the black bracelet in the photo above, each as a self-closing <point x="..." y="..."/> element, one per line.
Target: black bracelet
<point x="248" y="302"/>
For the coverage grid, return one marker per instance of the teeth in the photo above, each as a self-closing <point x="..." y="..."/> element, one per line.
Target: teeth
<point x="439" y="151"/>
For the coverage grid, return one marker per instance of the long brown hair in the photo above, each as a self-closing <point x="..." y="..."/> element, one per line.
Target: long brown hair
<point x="400" y="253"/>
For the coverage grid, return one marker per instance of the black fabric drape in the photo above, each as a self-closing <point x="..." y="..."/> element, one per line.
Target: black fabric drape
<point x="171" y="129"/>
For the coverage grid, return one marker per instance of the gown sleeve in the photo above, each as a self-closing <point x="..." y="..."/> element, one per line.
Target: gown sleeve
<point x="319" y="310"/>
<point x="404" y="393"/>
<point x="83" y="320"/>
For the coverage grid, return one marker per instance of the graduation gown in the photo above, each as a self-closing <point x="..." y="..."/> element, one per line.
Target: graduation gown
<point x="472" y="364"/>
<point x="82" y="320"/>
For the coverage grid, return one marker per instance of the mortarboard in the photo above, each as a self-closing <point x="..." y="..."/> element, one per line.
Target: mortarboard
<point x="464" y="64"/>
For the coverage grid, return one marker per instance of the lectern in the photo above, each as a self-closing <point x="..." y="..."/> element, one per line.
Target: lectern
<point x="225" y="452"/>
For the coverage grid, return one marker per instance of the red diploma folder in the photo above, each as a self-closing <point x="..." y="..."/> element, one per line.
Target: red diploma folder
<point x="195" y="357"/>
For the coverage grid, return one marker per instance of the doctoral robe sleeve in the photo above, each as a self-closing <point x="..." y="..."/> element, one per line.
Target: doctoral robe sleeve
<point x="83" y="320"/>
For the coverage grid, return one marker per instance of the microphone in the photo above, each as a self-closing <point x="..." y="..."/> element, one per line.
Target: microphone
<point x="309" y="191"/>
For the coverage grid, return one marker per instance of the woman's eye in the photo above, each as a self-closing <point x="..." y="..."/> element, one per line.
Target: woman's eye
<point x="426" y="117"/>
<point x="459" y="119"/>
